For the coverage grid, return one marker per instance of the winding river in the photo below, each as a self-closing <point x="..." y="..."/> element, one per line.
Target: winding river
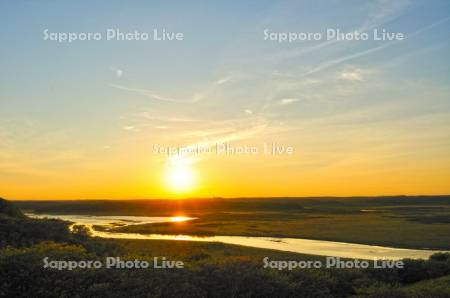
<point x="304" y="246"/>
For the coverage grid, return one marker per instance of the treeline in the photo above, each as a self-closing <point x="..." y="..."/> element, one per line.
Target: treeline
<point x="208" y="205"/>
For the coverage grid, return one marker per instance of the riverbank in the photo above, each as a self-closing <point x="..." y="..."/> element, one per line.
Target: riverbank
<point x="104" y="227"/>
<point x="211" y="269"/>
<point x="401" y="222"/>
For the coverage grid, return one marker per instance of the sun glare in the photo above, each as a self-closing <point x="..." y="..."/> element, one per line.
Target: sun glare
<point x="179" y="218"/>
<point x="179" y="176"/>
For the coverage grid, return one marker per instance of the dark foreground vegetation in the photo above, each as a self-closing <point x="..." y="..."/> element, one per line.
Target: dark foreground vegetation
<point x="212" y="269"/>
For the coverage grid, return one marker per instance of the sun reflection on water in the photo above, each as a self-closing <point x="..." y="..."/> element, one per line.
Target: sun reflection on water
<point x="179" y="218"/>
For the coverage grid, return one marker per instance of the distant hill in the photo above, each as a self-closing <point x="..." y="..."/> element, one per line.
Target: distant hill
<point x="8" y="209"/>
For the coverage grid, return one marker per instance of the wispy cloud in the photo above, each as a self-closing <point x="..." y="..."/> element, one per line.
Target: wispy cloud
<point x="213" y="133"/>
<point x="286" y="101"/>
<point x="333" y="62"/>
<point x="336" y="61"/>
<point x="379" y="13"/>
<point x="151" y="94"/>
<point x="223" y="80"/>
<point x="383" y="11"/>
<point x="196" y="97"/>
<point x="52" y="149"/>
<point x="354" y="74"/>
<point x="129" y="127"/>
<point x="170" y="119"/>
<point x="118" y="72"/>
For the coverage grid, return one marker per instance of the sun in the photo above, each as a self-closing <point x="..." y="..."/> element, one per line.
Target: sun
<point x="180" y="179"/>
<point x="179" y="176"/>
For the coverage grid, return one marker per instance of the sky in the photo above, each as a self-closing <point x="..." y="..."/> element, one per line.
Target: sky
<point x="81" y="120"/>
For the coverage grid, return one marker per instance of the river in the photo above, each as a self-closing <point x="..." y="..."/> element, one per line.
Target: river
<point x="304" y="246"/>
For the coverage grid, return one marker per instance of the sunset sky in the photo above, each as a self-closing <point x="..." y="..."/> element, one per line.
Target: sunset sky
<point x="80" y="120"/>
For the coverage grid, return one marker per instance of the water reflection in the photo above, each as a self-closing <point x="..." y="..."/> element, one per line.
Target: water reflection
<point x="112" y="221"/>
<point x="305" y="246"/>
<point x="180" y="218"/>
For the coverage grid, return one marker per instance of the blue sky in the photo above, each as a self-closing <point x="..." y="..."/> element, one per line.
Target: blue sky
<point x="86" y="106"/>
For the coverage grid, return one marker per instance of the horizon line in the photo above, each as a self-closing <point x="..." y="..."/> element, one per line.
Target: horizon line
<point x="235" y="198"/>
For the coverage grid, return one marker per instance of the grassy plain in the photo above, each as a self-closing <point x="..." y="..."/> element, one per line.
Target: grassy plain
<point x="212" y="269"/>
<point x="409" y="222"/>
